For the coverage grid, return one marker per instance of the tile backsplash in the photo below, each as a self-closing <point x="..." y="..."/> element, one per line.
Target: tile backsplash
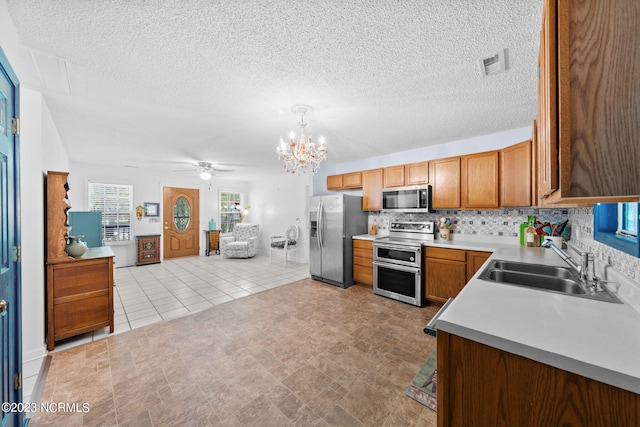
<point x="582" y="235"/>
<point x="505" y="223"/>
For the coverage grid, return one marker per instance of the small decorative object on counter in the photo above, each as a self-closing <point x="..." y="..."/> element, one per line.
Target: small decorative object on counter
<point x="531" y="237"/>
<point x="523" y="228"/>
<point x="444" y="226"/>
<point x="373" y="230"/>
<point x="75" y="247"/>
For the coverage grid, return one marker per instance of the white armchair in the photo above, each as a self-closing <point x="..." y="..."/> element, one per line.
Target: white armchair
<point x="243" y="243"/>
<point x="286" y="243"/>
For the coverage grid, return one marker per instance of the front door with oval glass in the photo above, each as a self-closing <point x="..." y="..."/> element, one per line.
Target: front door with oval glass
<point x="181" y="222"/>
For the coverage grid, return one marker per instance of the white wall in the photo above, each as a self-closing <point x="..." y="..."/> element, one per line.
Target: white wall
<point x="478" y="144"/>
<point x="147" y="187"/>
<point x="41" y="149"/>
<point x="278" y="202"/>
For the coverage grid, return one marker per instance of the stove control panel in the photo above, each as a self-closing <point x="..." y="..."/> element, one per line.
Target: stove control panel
<point x="425" y="227"/>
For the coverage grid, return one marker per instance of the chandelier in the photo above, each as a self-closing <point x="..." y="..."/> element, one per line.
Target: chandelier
<point x="301" y="154"/>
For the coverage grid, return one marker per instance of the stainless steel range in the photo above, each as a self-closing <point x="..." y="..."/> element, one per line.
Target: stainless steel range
<point x="397" y="261"/>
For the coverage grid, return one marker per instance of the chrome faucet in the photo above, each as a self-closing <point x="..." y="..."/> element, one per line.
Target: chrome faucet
<point x="583" y="268"/>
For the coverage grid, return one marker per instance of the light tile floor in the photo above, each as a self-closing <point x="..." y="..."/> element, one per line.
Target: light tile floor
<point x="152" y="293"/>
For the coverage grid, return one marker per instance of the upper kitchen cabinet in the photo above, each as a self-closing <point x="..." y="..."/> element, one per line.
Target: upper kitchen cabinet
<point x="334" y="182"/>
<point x="480" y="180"/>
<point x="445" y="180"/>
<point x="372" y="181"/>
<point x="394" y="176"/>
<point x="589" y="90"/>
<point x="516" y="175"/>
<point x="416" y="173"/>
<point x="345" y="181"/>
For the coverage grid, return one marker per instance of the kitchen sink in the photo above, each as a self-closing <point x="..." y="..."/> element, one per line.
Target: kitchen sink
<point x="547" y="283"/>
<point x="537" y="269"/>
<point x="560" y="280"/>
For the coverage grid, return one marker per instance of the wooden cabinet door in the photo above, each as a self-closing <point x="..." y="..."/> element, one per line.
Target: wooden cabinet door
<point x="516" y="175"/>
<point x="475" y="259"/>
<point x="547" y="103"/>
<point x="352" y="180"/>
<point x="445" y="179"/>
<point x="444" y="278"/>
<point x="416" y="173"/>
<point x="363" y="261"/>
<point x="479" y="385"/>
<point x="394" y="176"/>
<point x="480" y="179"/>
<point x="372" y="181"/>
<point x="334" y="182"/>
<point x="587" y="150"/>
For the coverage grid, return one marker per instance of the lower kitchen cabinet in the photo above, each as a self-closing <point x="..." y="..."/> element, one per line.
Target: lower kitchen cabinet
<point x="475" y="260"/>
<point x="363" y="261"/>
<point x="447" y="271"/>
<point x="79" y="294"/>
<point x="479" y="385"/>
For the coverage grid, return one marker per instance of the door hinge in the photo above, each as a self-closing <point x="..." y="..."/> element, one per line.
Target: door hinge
<point x="17" y="381"/>
<point x="15" y="125"/>
<point x="16" y="254"/>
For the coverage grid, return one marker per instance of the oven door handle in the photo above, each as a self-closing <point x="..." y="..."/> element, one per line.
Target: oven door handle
<point x="431" y="328"/>
<point x="397" y="267"/>
<point x="397" y="247"/>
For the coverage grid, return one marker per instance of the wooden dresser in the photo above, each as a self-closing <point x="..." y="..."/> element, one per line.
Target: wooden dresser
<point x="79" y="291"/>
<point x="79" y="294"/>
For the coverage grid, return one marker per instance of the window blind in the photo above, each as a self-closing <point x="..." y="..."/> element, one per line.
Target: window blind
<point x="115" y="201"/>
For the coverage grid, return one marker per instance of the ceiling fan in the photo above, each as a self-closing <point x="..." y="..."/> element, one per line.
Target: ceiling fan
<point x="206" y="170"/>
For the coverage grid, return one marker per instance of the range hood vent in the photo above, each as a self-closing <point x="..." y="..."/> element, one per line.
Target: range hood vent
<point x="493" y="64"/>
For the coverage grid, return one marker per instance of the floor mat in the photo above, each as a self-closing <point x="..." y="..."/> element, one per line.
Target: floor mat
<point x="423" y="386"/>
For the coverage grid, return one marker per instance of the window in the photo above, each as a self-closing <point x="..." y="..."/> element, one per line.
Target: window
<point x="116" y="203"/>
<point x="628" y="219"/>
<point x="616" y="225"/>
<point x="230" y="209"/>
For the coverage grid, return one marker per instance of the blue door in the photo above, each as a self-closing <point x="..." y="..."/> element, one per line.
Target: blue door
<point x="10" y="332"/>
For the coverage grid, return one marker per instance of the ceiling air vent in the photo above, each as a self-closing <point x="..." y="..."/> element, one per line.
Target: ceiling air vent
<point x="494" y="64"/>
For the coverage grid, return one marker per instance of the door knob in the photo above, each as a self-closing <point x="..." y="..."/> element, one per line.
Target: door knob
<point x="166" y="228"/>
<point x="3" y="307"/>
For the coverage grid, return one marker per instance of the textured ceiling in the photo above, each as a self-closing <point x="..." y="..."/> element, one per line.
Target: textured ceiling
<point x="180" y="81"/>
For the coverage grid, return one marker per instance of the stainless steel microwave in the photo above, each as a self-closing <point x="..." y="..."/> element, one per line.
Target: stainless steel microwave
<point x="412" y="199"/>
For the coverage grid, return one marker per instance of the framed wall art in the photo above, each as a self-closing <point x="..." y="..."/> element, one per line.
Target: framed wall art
<point x="151" y="209"/>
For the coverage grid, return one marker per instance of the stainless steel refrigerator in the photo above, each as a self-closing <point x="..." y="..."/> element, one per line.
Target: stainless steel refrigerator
<point x="334" y="220"/>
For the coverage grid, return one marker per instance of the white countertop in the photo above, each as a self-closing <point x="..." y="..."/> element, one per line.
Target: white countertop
<point x="366" y="237"/>
<point x="596" y="339"/>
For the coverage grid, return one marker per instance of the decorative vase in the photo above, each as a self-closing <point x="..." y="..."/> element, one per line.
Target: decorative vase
<point x="445" y="234"/>
<point x="75" y="247"/>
